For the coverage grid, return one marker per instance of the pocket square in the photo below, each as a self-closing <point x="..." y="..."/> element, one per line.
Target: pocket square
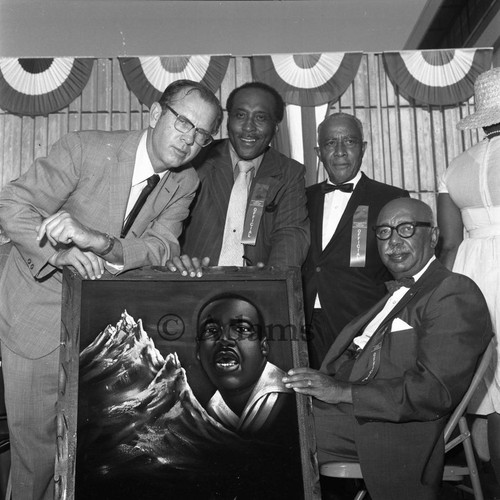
<point x="399" y="325"/>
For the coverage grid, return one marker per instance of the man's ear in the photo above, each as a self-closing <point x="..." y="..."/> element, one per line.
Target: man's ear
<point x="318" y="152"/>
<point x="434" y="236"/>
<point x="264" y="347"/>
<point x="363" y="149"/>
<point x="155" y="112"/>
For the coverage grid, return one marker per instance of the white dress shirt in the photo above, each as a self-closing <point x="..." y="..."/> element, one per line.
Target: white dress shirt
<point x="334" y="205"/>
<point x="143" y="170"/>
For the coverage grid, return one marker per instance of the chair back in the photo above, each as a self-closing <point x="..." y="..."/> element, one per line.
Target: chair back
<point x="476" y="379"/>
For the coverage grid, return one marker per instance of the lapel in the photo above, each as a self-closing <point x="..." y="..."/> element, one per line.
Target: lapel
<point x="120" y="181"/>
<point x="429" y="279"/>
<point x="269" y="173"/>
<point x="315" y="207"/>
<point x="367" y="365"/>
<point x="219" y="179"/>
<point x="348" y="333"/>
<point x="356" y="198"/>
<point x="156" y="202"/>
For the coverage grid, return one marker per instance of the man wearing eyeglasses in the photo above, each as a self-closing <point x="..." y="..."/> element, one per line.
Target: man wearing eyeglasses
<point x="343" y="274"/>
<point x="99" y="200"/>
<point x="395" y="373"/>
<point x="250" y="209"/>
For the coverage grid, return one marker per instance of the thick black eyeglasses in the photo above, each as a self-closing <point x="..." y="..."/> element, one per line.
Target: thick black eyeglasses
<point x="238" y="331"/>
<point x="182" y="124"/>
<point x="405" y="229"/>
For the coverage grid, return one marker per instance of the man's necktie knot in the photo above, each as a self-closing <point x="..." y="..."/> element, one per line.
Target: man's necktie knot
<point x="394" y="285"/>
<point x="345" y="188"/>
<point x="245" y="166"/>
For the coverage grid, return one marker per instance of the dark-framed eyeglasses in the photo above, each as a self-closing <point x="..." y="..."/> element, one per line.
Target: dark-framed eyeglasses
<point x="405" y="229"/>
<point x="237" y="331"/>
<point x="184" y="125"/>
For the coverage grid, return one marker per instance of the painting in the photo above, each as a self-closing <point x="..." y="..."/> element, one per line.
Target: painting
<point x="171" y="387"/>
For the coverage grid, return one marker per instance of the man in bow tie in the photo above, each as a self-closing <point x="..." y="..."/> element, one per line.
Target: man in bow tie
<point x="394" y="375"/>
<point x="343" y="274"/>
<point x="274" y="229"/>
<point x="82" y="206"/>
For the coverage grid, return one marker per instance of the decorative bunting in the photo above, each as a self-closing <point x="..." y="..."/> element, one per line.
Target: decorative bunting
<point x="41" y="86"/>
<point x="308" y="79"/>
<point x="436" y="77"/>
<point x="147" y="77"/>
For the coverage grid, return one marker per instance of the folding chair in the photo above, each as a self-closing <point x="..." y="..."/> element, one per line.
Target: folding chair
<point x="451" y="473"/>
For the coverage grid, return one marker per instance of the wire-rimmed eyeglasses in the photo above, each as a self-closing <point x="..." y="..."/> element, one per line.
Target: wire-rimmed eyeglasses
<point x="184" y="125"/>
<point x="405" y="229"/>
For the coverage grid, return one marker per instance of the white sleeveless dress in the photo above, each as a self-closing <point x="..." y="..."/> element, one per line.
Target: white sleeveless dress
<point x="473" y="183"/>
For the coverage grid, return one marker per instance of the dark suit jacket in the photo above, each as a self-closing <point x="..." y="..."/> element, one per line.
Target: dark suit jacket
<point x="283" y="236"/>
<point x="400" y="408"/>
<point x="345" y="291"/>
<point x="87" y="174"/>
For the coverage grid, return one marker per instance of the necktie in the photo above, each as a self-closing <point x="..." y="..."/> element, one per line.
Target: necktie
<point x="345" y="188"/>
<point x="232" y="250"/>
<point x="394" y="285"/>
<point x="151" y="184"/>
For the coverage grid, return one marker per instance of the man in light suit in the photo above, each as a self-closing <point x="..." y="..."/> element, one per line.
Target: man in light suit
<point x="276" y="196"/>
<point x="394" y="374"/>
<point x="68" y="209"/>
<point x="343" y="274"/>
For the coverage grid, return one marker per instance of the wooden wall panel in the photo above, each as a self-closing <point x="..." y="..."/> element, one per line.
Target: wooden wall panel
<point x="409" y="146"/>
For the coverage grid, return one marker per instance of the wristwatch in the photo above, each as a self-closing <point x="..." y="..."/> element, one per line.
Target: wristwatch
<point x="109" y="246"/>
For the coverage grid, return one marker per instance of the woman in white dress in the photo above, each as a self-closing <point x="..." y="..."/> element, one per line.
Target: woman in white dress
<point x="469" y="198"/>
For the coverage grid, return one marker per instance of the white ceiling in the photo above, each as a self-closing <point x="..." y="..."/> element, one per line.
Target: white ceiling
<point x="107" y="28"/>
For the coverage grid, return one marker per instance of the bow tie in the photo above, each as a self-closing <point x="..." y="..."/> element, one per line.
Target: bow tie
<point x="346" y="188"/>
<point x="394" y="285"/>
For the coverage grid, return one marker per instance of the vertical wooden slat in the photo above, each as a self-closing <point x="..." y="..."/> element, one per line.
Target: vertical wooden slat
<point x="409" y="146"/>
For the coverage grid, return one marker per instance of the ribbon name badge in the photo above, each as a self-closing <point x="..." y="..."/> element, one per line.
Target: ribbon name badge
<point x="359" y="236"/>
<point x="254" y="213"/>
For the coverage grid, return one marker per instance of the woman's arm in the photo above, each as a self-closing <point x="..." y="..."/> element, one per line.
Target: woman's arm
<point x="451" y="229"/>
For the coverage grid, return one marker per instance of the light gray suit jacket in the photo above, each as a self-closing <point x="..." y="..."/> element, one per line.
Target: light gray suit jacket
<point x="89" y="175"/>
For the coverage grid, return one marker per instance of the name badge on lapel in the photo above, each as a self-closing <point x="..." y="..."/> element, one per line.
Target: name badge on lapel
<point x="359" y="236"/>
<point x="254" y="212"/>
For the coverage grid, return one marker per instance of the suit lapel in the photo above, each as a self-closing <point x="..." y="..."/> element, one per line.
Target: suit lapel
<point x="156" y="202"/>
<point x="220" y="179"/>
<point x="269" y="173"/>
<point x="348" y="333"/>
<point x="316" y="203"/>
<point x="121" y="181"/>
<point x="366" y="366"/>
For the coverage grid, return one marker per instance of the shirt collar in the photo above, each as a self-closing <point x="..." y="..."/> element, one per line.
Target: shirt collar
<point x="235" y="159"/>
<point x="354" y="181"/>
<point x="422" y="271"/>
<point x="143" y="168"/>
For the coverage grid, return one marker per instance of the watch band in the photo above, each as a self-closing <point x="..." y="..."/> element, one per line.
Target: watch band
<point x="109" y="246"/>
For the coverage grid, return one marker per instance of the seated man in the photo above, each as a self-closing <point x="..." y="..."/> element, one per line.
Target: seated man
<point x="233" y="350"/>
<point x="393" y="376"/>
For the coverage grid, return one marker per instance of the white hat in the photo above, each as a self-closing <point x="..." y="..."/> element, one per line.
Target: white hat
<point x="487" y="97"/>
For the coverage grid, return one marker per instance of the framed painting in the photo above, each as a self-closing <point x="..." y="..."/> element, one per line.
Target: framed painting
<point x="171" y="387"/>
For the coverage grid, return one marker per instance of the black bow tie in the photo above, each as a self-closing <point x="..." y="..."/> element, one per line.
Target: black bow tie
<point x="394" y="285"/>
<point x="346" y="188"/>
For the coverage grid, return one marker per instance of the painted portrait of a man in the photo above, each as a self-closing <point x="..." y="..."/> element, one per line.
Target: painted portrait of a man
<point x="144" y="430"/>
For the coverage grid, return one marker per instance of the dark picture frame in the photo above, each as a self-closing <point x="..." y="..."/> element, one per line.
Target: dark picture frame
<point x="105" y="429"/>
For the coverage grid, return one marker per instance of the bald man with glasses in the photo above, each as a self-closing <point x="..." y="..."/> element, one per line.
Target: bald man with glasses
<point x="395" y="373"/>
